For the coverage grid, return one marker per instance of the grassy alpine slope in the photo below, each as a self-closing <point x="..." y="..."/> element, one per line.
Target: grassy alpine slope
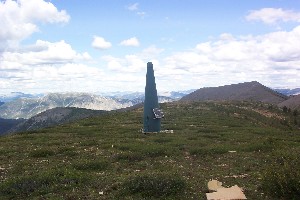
<point x="253" y="145"/>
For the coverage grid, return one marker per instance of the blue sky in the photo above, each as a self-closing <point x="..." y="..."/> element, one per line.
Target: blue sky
<point x="104" y="45"/>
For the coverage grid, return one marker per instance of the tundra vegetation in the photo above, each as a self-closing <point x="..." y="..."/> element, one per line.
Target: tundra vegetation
<point x="253" y="145"/>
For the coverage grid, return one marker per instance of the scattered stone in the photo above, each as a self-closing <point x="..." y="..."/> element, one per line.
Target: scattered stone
<point x="232" y="193"/>
<point x="232" y="151"/>
<point x="237" y="176"/>
<point x="214" y="185"/>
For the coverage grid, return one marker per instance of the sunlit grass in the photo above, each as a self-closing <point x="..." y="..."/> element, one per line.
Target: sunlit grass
<point x="106" y="157"/>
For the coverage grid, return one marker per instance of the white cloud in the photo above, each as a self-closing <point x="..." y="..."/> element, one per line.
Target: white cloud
<point x="100" y="43"/>
<point x="133" y="7"/>
<point x="128" y="64"/>
<point x="272" y="58"/>
<point x="273" y="15"/>
<point x="151" y="52"/>
<point x="19" y="18"/>
<point x="54" y="78"/>
<point x="133" y="63"/>
<point x="133" y="42"/>
<point x="43" y="52"/>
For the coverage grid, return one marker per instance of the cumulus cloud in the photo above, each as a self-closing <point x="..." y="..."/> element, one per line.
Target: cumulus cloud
<point x="133" y="42"/>
<point x="151" y="52"/>
<point x="273" y="15"/>
<point x="133" y="63"/>
<point x="128" y="64"/>
<point x="100" y="43"/>
<point x="19" y="18"/>
<point x="56" y="78"/>
<point x="42" y="52"/>
<point x="271" y="58"/>
<point x="45" y="65"/>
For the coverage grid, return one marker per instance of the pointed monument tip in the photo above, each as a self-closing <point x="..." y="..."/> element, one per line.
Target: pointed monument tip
<point x="149" y="64"/>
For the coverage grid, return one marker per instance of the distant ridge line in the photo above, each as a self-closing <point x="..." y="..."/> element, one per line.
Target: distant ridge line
<point x="247" y="91"/>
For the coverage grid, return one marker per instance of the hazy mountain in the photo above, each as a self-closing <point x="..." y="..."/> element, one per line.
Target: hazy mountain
<point x="248" y="91"/>
<point x="59" y="116"/>
<point x="28" y="107"/>
<point x="53" y="117"/>
<point x="289" y="92"/>
<point x="16" y="95"/>
<point x="292" y="103"/>
<point x="176" y="94"/>
<point x="1" y="103"/>
<point x="140" y="96"/>
<point x="7" y="124"/>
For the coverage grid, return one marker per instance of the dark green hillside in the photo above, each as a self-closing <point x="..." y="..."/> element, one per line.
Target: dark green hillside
<point x="54" y="117"/>
<point x="7" y="124"/>
<point x="255" y="146"/>
<point x="248" y="91"/>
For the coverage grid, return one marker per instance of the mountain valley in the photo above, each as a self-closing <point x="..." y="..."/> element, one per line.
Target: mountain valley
<point x="58" y="108"/>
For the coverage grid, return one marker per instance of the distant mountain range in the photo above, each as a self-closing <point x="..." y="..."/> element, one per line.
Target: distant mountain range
<point x="248" y="91"/>
<point x="17" y="95"/>
<point x="289" y="92"/>
<point x="59" y="108"/>
<point x="28" y="107"/>
<point x="54" y="117"/>
<point x="20" y="105"/>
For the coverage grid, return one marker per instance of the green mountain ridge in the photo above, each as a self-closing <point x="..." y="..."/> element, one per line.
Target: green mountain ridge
<point x="248" y="91"/>
<point x="54" y="117"/>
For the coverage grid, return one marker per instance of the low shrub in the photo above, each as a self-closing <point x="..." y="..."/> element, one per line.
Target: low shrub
<point x="130" y="157"/>
<point x="39" y="153"/>
<point x="41" y="183"/>
<point x="282" y="178"/>
<point x="96" y="165"/>
<point x="208" y="151"/>
<point x="153" y="151"/>
<point x="67" y="151"/>
<point x="154" y="185"/>
<point x="162" y="140"/>
<point x="267" y="145"/>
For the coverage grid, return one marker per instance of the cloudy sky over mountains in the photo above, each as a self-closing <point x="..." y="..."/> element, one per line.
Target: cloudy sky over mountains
<point x="98" y="46"/>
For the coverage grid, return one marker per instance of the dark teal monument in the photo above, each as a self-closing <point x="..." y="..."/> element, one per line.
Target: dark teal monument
<point x="152" y="113"/>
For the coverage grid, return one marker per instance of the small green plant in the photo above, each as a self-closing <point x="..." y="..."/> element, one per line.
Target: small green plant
<point x="39" y="153"/>
<point x="96" y="165"/>
<point x="130" y="157"/>
<point x="208" y="151"/>
<point x="266" y="145"/>
<point x="154" y="185"/>
<point x="282" y="178"/>
<point x="42" y="183"/>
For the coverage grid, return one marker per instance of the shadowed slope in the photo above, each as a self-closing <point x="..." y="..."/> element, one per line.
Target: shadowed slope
<point x="293" y="102"/>
<point x="248" y="91"/>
